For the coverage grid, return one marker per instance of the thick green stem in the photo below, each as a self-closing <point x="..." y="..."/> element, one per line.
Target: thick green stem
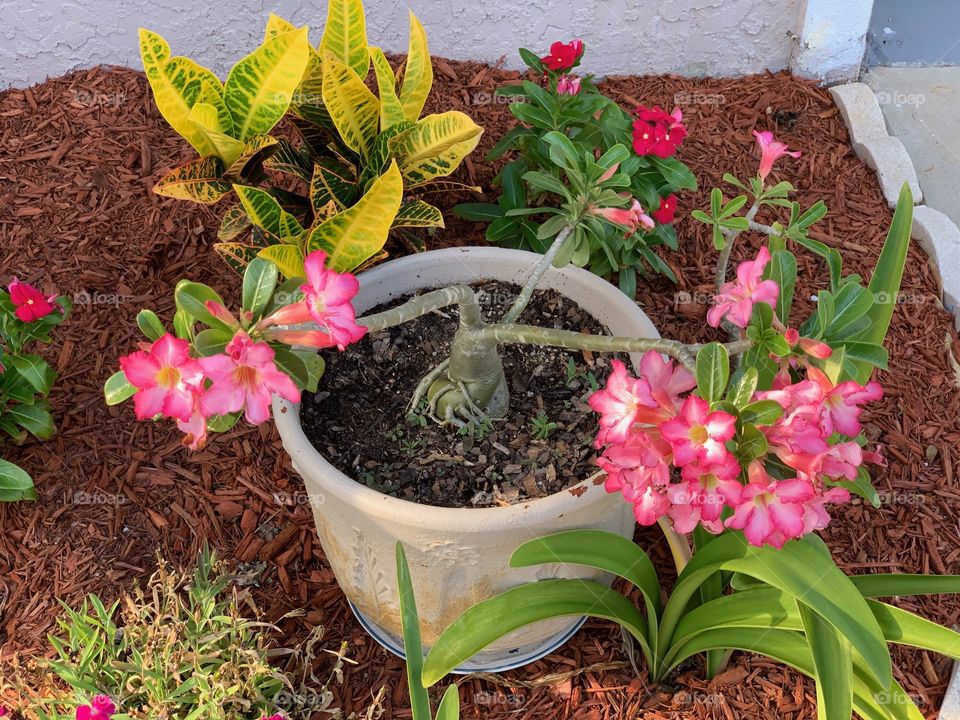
<point x="532" y="335"/>
<point x="461" y="295"/>
<point x="679" y="546"/>
<point x="539" y="269"/>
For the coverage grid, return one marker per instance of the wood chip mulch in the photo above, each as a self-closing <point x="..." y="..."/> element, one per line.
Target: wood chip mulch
<point x="78" y="156"/>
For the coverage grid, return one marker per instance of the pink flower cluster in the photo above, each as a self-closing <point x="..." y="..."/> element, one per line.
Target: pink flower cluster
<point x="101" y="707"/>
<point x="657" y="132"/>
<point x="172" y="383"/>
<point x="670" y="455"/>
<point x="736" y="299"/>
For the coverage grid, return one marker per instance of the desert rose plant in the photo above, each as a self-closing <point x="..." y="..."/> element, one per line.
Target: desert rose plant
<point x="534" y="187"/>
<point x="744" y="443"/>
<point x="27" y="316"/>
<point x="361" y="160"/>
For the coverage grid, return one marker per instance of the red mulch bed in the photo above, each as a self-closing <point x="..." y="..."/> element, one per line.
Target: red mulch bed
<point x="78" y="156"/>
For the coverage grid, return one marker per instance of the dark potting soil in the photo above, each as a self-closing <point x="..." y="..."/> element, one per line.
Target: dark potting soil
<point x="358" y="418"/>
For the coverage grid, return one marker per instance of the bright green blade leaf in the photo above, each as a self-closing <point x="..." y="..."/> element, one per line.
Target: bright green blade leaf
<point x="412" y="644"/>
<point x="833" y="663"/>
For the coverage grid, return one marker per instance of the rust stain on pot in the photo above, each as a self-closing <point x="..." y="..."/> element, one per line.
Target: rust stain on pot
<point x="599" y="480"/>
<point x="577" y="491"/>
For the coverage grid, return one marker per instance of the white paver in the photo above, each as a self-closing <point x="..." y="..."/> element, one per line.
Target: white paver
<point x="940" y="239"/>
<point x="890" y="159"/>
<point x="950" y="709"/>
<point x="860" y="110"/>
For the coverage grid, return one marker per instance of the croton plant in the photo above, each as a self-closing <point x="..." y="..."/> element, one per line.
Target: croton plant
<point x="27" y="316"/>
<point x="360" y="165"/>
<point x="534" y="190"/>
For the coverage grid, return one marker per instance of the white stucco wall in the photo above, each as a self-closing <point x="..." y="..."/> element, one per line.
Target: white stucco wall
<point x="692" y="37"/>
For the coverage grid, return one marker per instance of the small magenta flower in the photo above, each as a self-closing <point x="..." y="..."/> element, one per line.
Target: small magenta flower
<point x="667" y="211"/>
<point x="698" y="435"/>
<point x="770" y="150"/>
<point x="736" y="299"/>
<point x="567" y="85"/>
<point x="30" y="303"/>
<point x="166" y="378"/>
<point x="244" y="378"/>
<point x="101" y="707"/>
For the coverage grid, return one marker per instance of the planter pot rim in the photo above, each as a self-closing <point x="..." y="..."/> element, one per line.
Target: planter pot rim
<point x="287" y="417"/>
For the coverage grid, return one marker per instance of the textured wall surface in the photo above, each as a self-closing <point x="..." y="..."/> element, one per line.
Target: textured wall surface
<point x="40" y="38"/>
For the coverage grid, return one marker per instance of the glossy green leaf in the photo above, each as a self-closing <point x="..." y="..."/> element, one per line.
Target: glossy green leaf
<point x="191" y="298"/>
<point x="713" y="371"/>
<point x="34" y="370"/>
<point x="413" y="645"/>
<point x="15" y="483"/>
<point x="259" y="282"/>
<point x="150" y="325"/>
<point x="833" y="665"/>
<point x="118" y="388"/>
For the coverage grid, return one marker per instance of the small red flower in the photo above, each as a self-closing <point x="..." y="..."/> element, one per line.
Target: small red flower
<point x="563" y="56"/>
<point x="657" y="132"/>
<point x="667" y="210"/>
<point x="30" y="303"/>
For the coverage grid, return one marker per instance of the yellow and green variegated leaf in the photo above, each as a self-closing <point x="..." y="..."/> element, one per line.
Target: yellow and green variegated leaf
<point x="418" y="213"/>
<point x="207" y="119"/>
<point x="212" y="94"/>
<point x="345" y="35"/>
<point x="359" y="232"/>
<point x="199" y="180"/>
<point x="391" y="110"/>
<point x="290" y="160"/>
<point x="287" y="258"/>
<point x="232" y="224"/>
<point x="418" y="72"/>
<point x="373" y="260"/>
<point x="444" y="186"/>
<point x="236" y="255"/>
<point x="435" y="146"/>
<point x="276" y="25"/>
<point x="308" y="98"/>
<point x="355" y="110"/>
<point x="260" y="87"/>
<point x="176" y="83"/>
<point x="255" y="150"/>
<point x="265" y="212"/>
<point x="331" y="183"/>
<point x="325" y="212"/>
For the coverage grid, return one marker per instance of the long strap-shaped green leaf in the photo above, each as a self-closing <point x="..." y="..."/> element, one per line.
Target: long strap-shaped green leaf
<point x="905" y="628"/>
<point x="520" y="606"/>
<point x="833" y="664"/>
<point x="802" y="568"/>
<point x="885" y="281"/>
<point x="412" y="644"/>
<point x="892" y="584"/>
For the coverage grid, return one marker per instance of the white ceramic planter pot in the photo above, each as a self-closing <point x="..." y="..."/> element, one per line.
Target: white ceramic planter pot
<point x="457" y="556"/>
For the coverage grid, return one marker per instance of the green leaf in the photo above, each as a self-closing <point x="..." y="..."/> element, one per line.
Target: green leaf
<point x="118" y="388"/>
<point x="191" y="298"/>
<point x="15" y="483"/>
<point x="783" y="271"/>
<point x="520" y="606"/>
<point x="833" y="665"/>
<point x="259" y="282"/>
<point x="713" y="371"/>
<point x="905" y="628"/>
<point x="761" y="412"/>
<point x="413" y="645"/>
<point x="449" y="708"/>
<point x="479" y="212"/>
<point x="35" y="419"/>
<point x="874" y="355"/>
<point x="742" y="391"/>
<point x="803" y="568"/>
<point x="850" y="303"/>
<point x="677" y="175"/>
<point x="34" y="370"/>
<point x="547" y="182"/>
<point x="150" y="325"/>
<point x="211" y="341"/>
<point x="751" y="444"/>
<point x="894" y="584"/>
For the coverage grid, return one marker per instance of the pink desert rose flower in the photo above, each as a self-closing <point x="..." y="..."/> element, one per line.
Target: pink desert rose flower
<point x="770" y="512"/>
<point x="30" y="303"/>
<point x="815" y="348"/>
<point x="166" y="378"/>
<point x="563" y="56"/>
<point x="327" y="301"/>
<point x="567" y="85"/>
<point x="667" y="380"/>
<point x="698" y="435"/>
<point x="622" y="402"/>
<point x="101" y="707"/>
<point x="638" y="468"/>
<point x="276" y="716"/>
<point x="770" y="150"/>
<point x="736" y="299"/>
<point x="667" y="210"/>
<point x="841" y="403"/>
<point x="657" y="132"/>
<point x="244" y="378"/>
<point x="633" y="217"/>
<point x="703" y="494"/>
<point x="195" y="429"/>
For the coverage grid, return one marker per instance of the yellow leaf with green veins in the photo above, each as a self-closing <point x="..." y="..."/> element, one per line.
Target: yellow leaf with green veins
<point x="359" y="232"/>
<point x="265" y="212"/>
<point x="391" y="110"/>
<point x="287" y="258"/>
<point x="176" y="83"/>
<point x="276" y="25"/>
<point x="418" y="213"/>
<point x="435" y="146"/>
<point x="206" y="118"/>
<point x="345" y="35"/>
<point x="354" y="109"/>
<point x="418" y="73"/>
<point x="256" y="148"/>
<point x="260" y="87"/>
<point x="198" y="180"/>
<point x="330" y="184"/>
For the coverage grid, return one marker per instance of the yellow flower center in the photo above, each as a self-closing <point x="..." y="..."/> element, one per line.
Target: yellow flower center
<point x="698" y="434"/>
<point x="168" y="376"/>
